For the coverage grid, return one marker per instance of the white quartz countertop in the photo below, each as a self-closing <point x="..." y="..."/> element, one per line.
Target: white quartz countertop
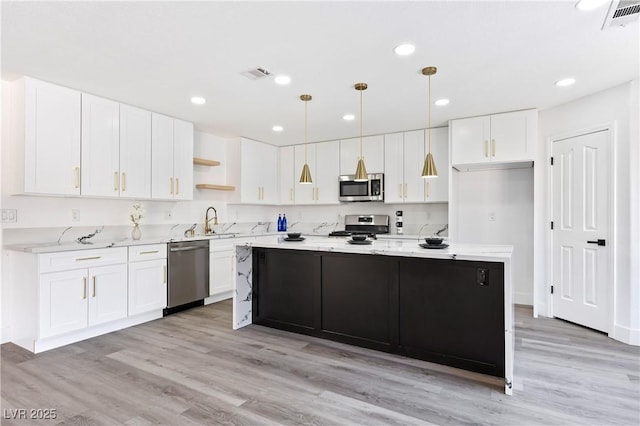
<point x="390" y="247"/>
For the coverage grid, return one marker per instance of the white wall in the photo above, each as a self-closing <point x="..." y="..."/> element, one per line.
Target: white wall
<point x="506" y="196"/>
<point x="617" y="106"/>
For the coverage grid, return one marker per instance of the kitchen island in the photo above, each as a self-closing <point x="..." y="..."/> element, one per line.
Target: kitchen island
<point x="452" y="306"/>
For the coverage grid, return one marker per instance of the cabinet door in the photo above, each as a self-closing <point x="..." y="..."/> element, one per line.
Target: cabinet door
<point x="414" y="155"/>
<point x="107" y="293"/>
<point x="372" y="151"/>
<point x="162" y="185"/>
<point x="327" y="172"/>
<point x="251" y="165"/>
<point x="305" y="193"/>
<point x="183" y="160"/>
<point x="135" y="152"/>
<point x="221" y="266"/>
<point x="63" y="302"/>
<point x="509" y="137"/>
<point x="52" y="139"/>
<point x="100" y="147"/>
<point x="436" y="190"/>
<point x="147" y="286"/>
<point x="287" y="176"/>
<point x="394" y="168"/>
<point x="470" y="140"/>
<point x="269" y="173"/>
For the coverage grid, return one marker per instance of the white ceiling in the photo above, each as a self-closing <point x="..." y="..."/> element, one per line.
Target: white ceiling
<point x="491" y="57"/>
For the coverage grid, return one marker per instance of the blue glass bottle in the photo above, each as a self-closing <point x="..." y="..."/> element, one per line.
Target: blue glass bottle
<point x="279" y="223"/>
<point x="284" y="222"/>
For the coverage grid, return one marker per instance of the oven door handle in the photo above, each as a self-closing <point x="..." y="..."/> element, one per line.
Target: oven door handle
<point x="186" y="248"/>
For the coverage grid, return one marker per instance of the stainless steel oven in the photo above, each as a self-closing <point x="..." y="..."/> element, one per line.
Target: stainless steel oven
<point x="370" y="190"/>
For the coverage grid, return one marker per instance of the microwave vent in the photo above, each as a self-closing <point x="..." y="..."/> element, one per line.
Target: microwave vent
<point x="256" y="73"/>
<point x="621" y="13"/>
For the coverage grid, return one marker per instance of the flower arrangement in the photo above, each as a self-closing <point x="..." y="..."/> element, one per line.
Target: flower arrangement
<point x="136" y="215"/>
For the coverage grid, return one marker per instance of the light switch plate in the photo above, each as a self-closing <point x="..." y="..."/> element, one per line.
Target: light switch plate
<point x="75" y="215"/>
<point x="9" y="215"/>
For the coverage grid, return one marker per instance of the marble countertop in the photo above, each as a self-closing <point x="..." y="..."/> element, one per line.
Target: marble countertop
<point x="390" y="247"/>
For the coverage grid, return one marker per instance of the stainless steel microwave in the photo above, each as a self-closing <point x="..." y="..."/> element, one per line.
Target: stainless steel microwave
<point x="370" y="190"/>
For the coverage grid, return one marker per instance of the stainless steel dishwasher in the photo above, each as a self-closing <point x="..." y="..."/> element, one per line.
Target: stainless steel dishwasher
<point x="188" y="274"/>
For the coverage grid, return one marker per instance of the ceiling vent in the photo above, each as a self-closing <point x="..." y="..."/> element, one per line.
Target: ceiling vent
<point x="256" y="73"/>
<point x="621" y="13"/>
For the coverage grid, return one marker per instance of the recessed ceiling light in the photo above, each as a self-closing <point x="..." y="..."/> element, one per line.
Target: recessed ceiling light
<point x="277" y="128"/>
<point x="442" y="102"/>
<point x="590" y="4"/>
<point x="283" y="79"/>
<point x="348" y="117"/>
<point x="198" y="100"/>
<point x="565" y="82"/>
<point x="404" y="49"/>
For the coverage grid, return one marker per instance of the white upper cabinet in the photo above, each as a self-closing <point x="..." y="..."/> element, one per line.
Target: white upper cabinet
<point x="414" y="154"/>
<point x="436" y="190"/>
<point x="287" y="175"/>
<point x="135" y="152"/>
<point x="499" y="140"/>
<point x="253" y="169"/>
<point x="323" y="159"/>
<point x="49" y="115"/>
<point x="100" y="147"/>
<point x="372" y="151"/>
<point x="171" y="158"/>
<point x="394" y="168"/>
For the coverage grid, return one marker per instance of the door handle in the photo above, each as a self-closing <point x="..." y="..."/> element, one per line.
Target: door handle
<point x="186" y="248"/>
<point x="115" y="181"/>
<point x="598" y="242"/>
<point x="493" y="147"/>
<point x="177" y="186"/>
<point x="123" y="184"/>
<point x="171" y="185"/>
<point x="93" y="278"/>
<point x="486" y="149"/>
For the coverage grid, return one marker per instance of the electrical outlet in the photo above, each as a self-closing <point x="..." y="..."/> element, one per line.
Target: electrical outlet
<point x="168" y="215"/>
<point x="492" y="217"/>
<point x="75" y="215"/>
<point x="9" y="215"/>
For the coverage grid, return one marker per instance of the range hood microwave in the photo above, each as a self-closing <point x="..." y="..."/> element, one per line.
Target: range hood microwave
<point x="370" y="190"/>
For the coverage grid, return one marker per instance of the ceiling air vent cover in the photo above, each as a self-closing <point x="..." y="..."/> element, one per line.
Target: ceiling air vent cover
<point x="256" y="73"/>
<point x="621" y="13"/>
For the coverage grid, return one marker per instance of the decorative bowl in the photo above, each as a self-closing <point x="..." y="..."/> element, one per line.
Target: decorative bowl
<point x="293" y="235"/>
<point x="358" y="237"/>
<point x="434" y="241"/>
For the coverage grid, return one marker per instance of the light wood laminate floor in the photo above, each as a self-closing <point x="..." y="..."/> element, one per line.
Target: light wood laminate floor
<point x="191" y="368"/>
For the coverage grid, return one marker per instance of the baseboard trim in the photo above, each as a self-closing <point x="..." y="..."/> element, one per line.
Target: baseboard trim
<point x="523" y="299"/>
<point x="219" y="297"/>
<point x="5" y="334"/>
<point x="626" y="335"/>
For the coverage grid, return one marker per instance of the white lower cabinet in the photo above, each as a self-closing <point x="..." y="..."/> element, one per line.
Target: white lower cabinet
<point x="107" y="294"/>
<point x="221" y="267"/>
<point x="147" y="286"/>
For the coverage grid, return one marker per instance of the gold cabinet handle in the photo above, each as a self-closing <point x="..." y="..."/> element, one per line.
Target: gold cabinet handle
<point x="400" y="190"/>
<point x="291" y="194"/>
<point x="150" y="252"/>
<point x="115" y="181"/>
<point x="164" y="274"/>
<point x="428" y="188"/>
<point x="93" y="278"/>
<point x="88" y="258"/>
<point x="123" y="184"/>
<point x="493" y="147"/>
<point x="76" y="177"/>
<point x="406" y="190"/>
<point x="486" y="148"/>
<point x="317" y="193"/>
<point x="84" y="288"/>
<point x="177" y="186"/>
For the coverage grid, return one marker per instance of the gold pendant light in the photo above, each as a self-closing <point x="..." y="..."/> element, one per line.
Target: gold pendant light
<point x="305" y="177"/>
<point x="429" y="169"/>
<point x="361" y="170"/>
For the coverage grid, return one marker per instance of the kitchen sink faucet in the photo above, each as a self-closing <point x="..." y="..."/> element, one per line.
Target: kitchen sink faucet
<point x="207" y="228"/>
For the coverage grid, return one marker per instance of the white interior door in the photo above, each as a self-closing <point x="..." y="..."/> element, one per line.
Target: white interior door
<point x="581" y="203"/>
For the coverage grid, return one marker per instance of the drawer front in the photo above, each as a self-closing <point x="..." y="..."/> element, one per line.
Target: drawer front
<point x="77" y="259"/>
<point x="223" y="245"/>
<point x="147" y="252"/>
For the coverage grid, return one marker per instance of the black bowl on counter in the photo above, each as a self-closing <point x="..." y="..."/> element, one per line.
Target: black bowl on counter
<point x="293" y="235"/>
<point x="358" y="237"/>
<point x="434" y="241"/>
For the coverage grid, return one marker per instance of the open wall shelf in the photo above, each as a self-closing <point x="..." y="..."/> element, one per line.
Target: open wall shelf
<point x="215" y="187"/>
<point x="205" y="162"/>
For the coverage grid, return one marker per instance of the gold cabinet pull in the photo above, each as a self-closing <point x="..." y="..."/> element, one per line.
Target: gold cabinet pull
<point x="486" y="148"/>
<point x="406" y="190"/>
<point x="93" y="278"/>
<point x="150" y="252"/>
<point x="123" y="184"/>
<point x="317" y="193"/>
<point x="177" y="186"/>
<point x="76" y="177"/>
<point x="115" y="181"/>
<point x="428" y="188"/>
<point x="171" y="185"/>
<point x="400" y="190"/>
<point x="84" y="288"/>
<point x="88" y="258"/>
<point x="291" y="194"/>
<point x="164" y="274"/>
<point x="493" y="147"/>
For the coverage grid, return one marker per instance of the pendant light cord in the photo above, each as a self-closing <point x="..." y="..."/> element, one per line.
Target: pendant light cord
<point x="429" y="118"/>
<point x="305" y="132"/>
<point x="361" y="124"/>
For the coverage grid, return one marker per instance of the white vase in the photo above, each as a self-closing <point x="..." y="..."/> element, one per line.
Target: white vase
<point x="136" y="234"/>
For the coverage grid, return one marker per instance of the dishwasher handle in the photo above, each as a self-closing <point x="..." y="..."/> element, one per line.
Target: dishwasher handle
<point x="186" y="248"/>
